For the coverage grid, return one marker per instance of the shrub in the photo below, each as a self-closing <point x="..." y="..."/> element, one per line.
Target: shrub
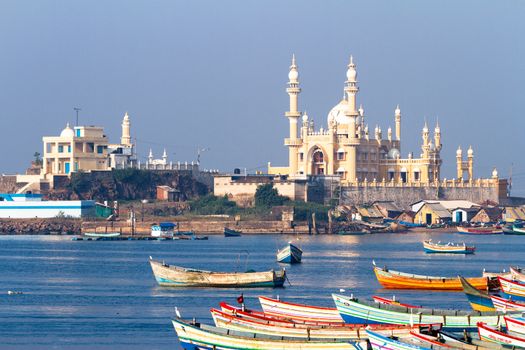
<point x="267" y="196"/>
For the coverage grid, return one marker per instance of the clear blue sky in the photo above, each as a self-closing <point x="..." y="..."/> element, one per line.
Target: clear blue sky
<point x="213" y="73"/>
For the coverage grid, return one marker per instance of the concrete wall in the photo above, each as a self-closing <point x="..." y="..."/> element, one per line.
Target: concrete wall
<point x="404" y="196"/>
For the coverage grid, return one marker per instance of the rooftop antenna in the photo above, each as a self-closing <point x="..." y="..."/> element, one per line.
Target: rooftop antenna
<point x="199" y="151"/>
<point x="76" y="109"/>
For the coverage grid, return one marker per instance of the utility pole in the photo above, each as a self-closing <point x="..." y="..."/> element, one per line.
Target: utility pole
<point x="199" y="151"/>
<point x="76" y="109"/>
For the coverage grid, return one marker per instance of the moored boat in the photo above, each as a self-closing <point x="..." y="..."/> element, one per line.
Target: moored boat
<point x="450" y="248"/>
<point x="356" y="311"/>
<point x="194" y="336"/>
<point x="507" y="305"/>
<point x="303" y="312"/>
<point x="479" y="300"/>
<point x="102" y="234"/>
<point x="228" y="232"/>
<point x="518" y="229"/>
<point x="290" y="254"/>
<point x="479" y="230"/>
<point x="517" y="273"/>
<point x="512" y="289"/>
<point x="515" y="324"/>
<point x="393" y="301"/>
<point x="163" y="230"/>
<point x="391" y="279"/>
<point x="492" y="334"/>
<point x="379" y="341"/>
<point x="176" y="276"/>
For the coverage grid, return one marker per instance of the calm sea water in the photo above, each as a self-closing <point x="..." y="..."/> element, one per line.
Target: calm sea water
<point x="102" y="295"/>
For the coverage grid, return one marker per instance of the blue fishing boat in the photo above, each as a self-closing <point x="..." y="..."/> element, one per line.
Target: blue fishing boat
<point x="448" y="248"/>
<point x="228" y="232"/>
<point x="479" y="300"/>
<point x="163" y="230"/>
<point x="410" y="224"/>
<point x="290" y="254"/>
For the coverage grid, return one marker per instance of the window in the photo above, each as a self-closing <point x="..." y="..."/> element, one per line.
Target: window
<point x="60" y="149"/>
<point x="301" y="156"/>
<point x="78" y="132"/>
<point x="100" y="149"/>
<point x="416" y="176"/>
<point x="391" y="175"/>
<point x="340" y="156"/>
<point x="69" y="148"/>
<point x="90" y="147"/>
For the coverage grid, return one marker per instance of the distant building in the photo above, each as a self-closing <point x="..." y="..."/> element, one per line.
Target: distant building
<point x="488" y="214"/>
<point x="432" y="213"/>
<point x="167" y="193"/>
<point x="26" y="206"/>
<point x="460" y="215"/>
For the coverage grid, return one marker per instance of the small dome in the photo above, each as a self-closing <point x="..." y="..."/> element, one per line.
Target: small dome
<point x="67" y="132"/>
<point x="126" y="116"/>
<point x="397" y="111"/>
<point x="351" y="73"/>
<point x="495" y="172"/>
<point x="305" y="117"/>
<point x="393" y="153"/>
<point x="339" y="113"/>
<point x="459" y="151"/>
<point x="293" y="75"/>
<point x="470" y="151"/>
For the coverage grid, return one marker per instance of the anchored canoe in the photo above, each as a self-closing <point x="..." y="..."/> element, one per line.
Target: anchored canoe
<point x="491" y="334"/>
<point x="449" y="248"/>
<point x="355" y="311"/>
<point x="278" y="308"/>
<point x="176" y="276"/>
<point x="199" y="336"/>
<point x="479" y="230"/>
<point x="512" y="289"/>
<point x="515" y="324"/>
<point x="391" y="279"/>
<point x="479" y="300"/>
<point x="507" y="305"/>
<point x="290" y="254"/>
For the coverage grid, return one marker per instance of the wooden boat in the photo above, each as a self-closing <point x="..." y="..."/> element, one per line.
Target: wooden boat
<point x="391" y="279"/>
<point x="512" y="289"/>
<point x="102" y="234"/>
<point x="194" y="336"/>
<point x="515" y="324"/>
<point x="278" y="308"/>
<point x="355" y="311"/>
<point x="454" y="248"/>
<point x="518" y="229"/>
<point x="290" y="254"/>
<point x="517" y="274"/>
<point x="491" y="334"/>
<point x="429" y="341"/>
<point x="163" y="230"/>
<point x="410" y="224"/>
<point x="479" y="300"/>
<point x="271" y="327"/>
<point x="506" y="305"/>
<point x="393" y="301"/>
<point x="228" y="232"/>
<point x="479" y="230"/>
<point x="379" y="341"/>
<point x="175" y="276"/>
<point x="495" y="275"/>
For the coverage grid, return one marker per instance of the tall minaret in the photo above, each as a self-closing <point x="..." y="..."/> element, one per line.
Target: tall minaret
<point x="470" y="162"/>
<point x="293" y="115"/>
<point x="459" y="163"/>
<point x="397" y="114"/>
<point x="437" y="136"/>
<point x="126" y="138"/>
<point x="351" y="90"/>
<point x="426" y="145"/>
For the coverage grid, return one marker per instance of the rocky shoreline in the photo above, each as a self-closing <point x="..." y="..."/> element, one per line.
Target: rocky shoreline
<point x="40" y="226"/>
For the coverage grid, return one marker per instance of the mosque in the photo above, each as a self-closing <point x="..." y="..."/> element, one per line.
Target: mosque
<point x="348" y="150"/>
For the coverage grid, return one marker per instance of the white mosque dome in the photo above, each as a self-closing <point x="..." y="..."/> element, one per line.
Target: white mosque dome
<point x="67" y="132"/>
<point x="394" y="153"/>
<point x="305" y="117"/>
<point x="351" y="74"/>
<point x="339" y="113"/>
<point x="293" y="75"/>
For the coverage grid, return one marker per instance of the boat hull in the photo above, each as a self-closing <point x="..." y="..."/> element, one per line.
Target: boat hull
<point x="493" y="335"/>
<point x="300" y="312"/>
<point x="515" y="324"/>
<point x="353" y="311"/>
<point x="174" y="276"/>
<point x="479" y="231"/>
<point x="431" y="247"/>
<point x="390" y="279"/>
<point x="231" y="233"/>
<point x="506" y="305"/>
<point x="479" y="300"/>
<point x="381" y="342"/>
<point x="290" y="254"/>
<point x="512" y="289"/>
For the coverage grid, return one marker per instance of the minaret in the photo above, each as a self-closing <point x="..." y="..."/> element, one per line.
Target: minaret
<point x="397" y="114"/>
<point x="126" y="137"/>
<point x="150" y="156"/>
<point x="351" y="90"/>
<point x="293" y="115"/>
<point x="165" y="157"/>
<point x="389" y="134"/>
<point x="437" y="136"/>
<point x="425" y="146"/>
<point x="459" y="163"/>
<point x="470" y="162"/>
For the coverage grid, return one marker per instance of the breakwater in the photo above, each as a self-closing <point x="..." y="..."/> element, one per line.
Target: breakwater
<point x="39" y="226"/>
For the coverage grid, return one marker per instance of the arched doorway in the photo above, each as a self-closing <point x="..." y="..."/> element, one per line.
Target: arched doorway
<point x="318" y="163"/>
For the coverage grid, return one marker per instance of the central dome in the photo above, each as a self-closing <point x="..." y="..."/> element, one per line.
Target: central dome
<point x="338" y="113"/>
<point x="67" y="132"/>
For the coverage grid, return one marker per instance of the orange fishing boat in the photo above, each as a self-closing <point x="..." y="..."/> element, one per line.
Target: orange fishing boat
<point x="391" y="279"/>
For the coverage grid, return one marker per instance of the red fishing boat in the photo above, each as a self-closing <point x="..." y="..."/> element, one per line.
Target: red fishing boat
<point x="480" y="230"/>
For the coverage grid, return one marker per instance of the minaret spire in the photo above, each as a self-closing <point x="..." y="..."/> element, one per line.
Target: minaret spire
<point x="293" y="115"/>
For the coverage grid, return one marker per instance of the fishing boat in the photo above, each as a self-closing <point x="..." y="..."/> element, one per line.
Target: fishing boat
<point x="163" y="230"/>
<point x="518" y="229"/>
<point x="391" y="279"/>
<point x="479" y="230"/>
<point x="512" y="289"/>
<point x="228" y="232"/>
<point x="355" y="311"/>
<point x="507" y="305"/>
<point x="492" y="334"/>
<point x="352" y="233"/>
<point x="515" y="324"/>
<point x="479" y="300"/>
<point x="410" y="224"/>
<point x="379" y="341"/>
<point x="517" y="273"/>
<point x="290" y="254"/>
<point x="176" y="276"/>
<point x="278" y="308"/>
<point x="280" y="328"/>
<point x="102" y="234"/>
<point x="454" y="248"/>
<point x="194" y="336"/>
<point x="495" y="275"/>
<point x="393" y="301"/>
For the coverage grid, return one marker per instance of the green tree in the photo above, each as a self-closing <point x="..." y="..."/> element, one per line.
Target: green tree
<point x="38" y="158"/>
<point x="267" y="196"/>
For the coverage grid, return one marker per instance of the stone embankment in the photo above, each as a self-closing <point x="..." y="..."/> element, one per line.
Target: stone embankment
<point x="39" y="226"/>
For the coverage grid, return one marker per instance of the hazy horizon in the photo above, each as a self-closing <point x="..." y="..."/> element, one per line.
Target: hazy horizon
<point x="213" y="75"/>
